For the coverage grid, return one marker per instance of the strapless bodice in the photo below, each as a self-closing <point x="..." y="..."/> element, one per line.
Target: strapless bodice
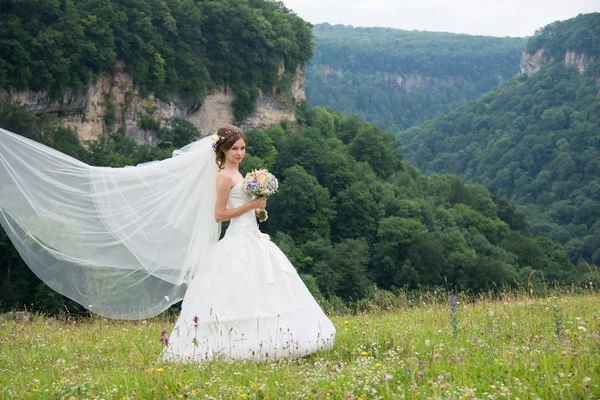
<point x="245" y="222"/>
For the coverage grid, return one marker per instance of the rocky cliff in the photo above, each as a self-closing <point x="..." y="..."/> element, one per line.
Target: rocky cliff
<point x="114" y="103"/>
<point x="532" y="63"/>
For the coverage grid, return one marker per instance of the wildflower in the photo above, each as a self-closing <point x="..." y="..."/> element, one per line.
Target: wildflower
<point x="345" y="322"/>
<point x="421" y="363"/>
<point x="427" y="342"/>
<point x="387" y="377"/>
<point x="163" y="332"/>
<point x="363" y="353"/>
<point x="533" y="364"/>
<point x="195" y="342"/>
<point x="582" y="328"/>
<point x="339" y="368"/>
<point x="160" y="369"/>
<point x="195" y="319"/>
<point x="440" y="378"/>
<point x="421" y="374"/>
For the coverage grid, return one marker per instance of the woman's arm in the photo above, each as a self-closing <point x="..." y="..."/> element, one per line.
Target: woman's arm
<point x="222" y="213"/>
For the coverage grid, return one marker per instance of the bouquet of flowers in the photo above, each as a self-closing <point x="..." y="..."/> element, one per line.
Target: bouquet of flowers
<point x="260" y="183"/>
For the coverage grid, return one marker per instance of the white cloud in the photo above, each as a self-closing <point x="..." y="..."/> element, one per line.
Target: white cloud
<point x="475" y="17"/>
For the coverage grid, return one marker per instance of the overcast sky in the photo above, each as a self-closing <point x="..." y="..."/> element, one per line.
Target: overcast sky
<point x="474" y="17"/>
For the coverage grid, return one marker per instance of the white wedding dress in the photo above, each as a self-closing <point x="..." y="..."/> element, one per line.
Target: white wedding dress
<point x="247" y="302"/>
<point x="130" y="242"/>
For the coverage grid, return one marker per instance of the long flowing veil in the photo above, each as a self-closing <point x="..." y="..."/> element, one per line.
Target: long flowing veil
<point x="122" y="242"/>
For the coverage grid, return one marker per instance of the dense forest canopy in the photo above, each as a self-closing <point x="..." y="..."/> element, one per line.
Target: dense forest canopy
<point x="184" y="46"/>
<point x="350" y="212"/>
<point x="357" y="70"/>
<point x="580" y="35"/>
<point x="535" y="140"/>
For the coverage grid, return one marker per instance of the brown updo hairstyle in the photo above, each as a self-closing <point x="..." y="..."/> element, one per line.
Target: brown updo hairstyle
<point x="228" y="135"/>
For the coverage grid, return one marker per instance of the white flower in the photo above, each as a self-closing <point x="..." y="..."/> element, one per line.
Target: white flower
<point x="428" y="343"/>
<point x="582" y="328"/>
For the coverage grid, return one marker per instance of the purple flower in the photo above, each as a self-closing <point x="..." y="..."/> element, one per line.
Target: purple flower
<point x="387" y="377"/>
<point x="163" y="332"/>
<point x="533" y="364"/>
<point x="195" y="319"/>
<point x="165" y="341"/>
<point x="421" y="374"/>
<point x="440" y="378"/>
<point x="421" y="363"/>
<point x="340" y="367"/>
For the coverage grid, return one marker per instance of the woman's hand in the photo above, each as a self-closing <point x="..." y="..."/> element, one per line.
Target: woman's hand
<point x="259" y="203"/>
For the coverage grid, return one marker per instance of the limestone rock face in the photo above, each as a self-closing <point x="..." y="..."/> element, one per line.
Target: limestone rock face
<point x="532" y="63"/>
<point x="577" y="60"/>
<point x="114" y="103"/>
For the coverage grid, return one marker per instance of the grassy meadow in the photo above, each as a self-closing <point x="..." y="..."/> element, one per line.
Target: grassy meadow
<point x="512" y="346"/>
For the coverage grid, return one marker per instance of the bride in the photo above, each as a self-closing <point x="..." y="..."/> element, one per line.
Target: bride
<point x="130" y="242"/>
<point x="248" y="302"/>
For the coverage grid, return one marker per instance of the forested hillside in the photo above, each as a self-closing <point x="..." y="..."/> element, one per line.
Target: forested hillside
<point x="398" y="79"/>
<point x="350" y="212"/>
<point x="168" y="46"/>
<point x="535" y="140"/>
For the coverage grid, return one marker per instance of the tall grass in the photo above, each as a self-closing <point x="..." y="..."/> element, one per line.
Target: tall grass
<point x="504" y="345"/>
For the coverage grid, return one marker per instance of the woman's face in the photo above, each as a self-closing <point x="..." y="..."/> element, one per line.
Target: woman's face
<point x="237" y="152"/>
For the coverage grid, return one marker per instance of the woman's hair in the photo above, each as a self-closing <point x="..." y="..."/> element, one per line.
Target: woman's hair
<point x="228" y="135"/>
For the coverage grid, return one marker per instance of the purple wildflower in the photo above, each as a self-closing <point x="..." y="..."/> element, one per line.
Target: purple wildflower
<point x="440" y="378"/>
<point x="421" y="374"/>
<point x="453" y="300"/>
<point x="421" y="363"/>
<point x="165" y="341"/>
<point x="195" y="319"/>
<point x="387" y="377"/>
<point x="163" y="332"/>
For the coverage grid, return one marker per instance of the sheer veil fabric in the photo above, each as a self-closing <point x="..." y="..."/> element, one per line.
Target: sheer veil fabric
<point x="123" y="242"/>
